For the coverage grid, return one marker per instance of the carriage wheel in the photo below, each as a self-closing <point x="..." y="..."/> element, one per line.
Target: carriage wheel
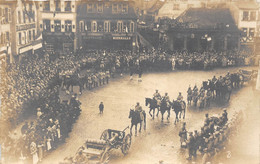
<point x="104" y="158"/>
<point x="126" y="144"/>
<point x="104" y="135"/>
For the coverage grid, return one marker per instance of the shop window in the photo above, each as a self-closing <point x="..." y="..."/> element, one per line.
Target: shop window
<point x="57" y="25"/>
<point x="94" y="26"/>
<point x="132" y="27"/>
<point x="81" y="26"/>
<point x="120" y="26"/>
<point x="251" y="32"/>
<point x="47" y="25"/>
<point x="68" y="26"/>
<point x="106" y="26"/>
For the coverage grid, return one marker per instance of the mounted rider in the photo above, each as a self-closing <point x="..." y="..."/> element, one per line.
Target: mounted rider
<point x="139" y="109"/>
<point x="180" y="100"/>
<point x="157" y="97"/>
<point x="189" y="91"/>
<point x="167" y="99"/>
<point x="195" y="88"/>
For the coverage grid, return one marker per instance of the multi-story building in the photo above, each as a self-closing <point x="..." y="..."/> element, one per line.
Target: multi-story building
<point x="174" y="8"/>
<point x="5" y="28"/>
<point x="58" y="25"/>
<point x="19" y="35"/>
<point x="106" y="24"/>
<point x="246" y="15"/>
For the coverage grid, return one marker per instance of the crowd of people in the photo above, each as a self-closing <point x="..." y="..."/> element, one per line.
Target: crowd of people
<point x="33" y="80"/>
<point x="212" y="137"/>
<point x="39" y="137"/>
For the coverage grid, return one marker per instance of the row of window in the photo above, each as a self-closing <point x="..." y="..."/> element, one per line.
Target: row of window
<point x="57" y="26"/>
<point x="26" y="37"/>
<point x="5" y="15"/>
<point x="249" y="16"/>
<point x="107" y="26"/>
<point x="4" y="37"/>
<point x="248" y="32"/>
<point x="99" y="7"/>
<point x="57" y="4"/>
<point x="26" y="17"/>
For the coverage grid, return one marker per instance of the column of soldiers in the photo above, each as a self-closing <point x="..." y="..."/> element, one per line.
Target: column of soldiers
<point x="97" y="79"/>
<point x="210" y="140"/>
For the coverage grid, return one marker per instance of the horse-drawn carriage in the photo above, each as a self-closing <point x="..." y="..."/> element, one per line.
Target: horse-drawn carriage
<point x="97" y="151"/>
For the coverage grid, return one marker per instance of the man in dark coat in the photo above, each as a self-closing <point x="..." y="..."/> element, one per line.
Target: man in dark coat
<point x="101" y="108"/>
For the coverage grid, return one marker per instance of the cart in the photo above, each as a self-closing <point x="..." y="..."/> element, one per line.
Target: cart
<point x="98" y="151"/>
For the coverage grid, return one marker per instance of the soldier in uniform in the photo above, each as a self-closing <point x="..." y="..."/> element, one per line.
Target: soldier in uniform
<point x="224" y="114"/>
<point x="138" y="108"/>
<point x="206" y="122"/>
<point x="167" y="99"/>
<point x="157" y="96"/>
<point x="191" y="146"/>
<point x="107" y="76"/>
<point x="183" y="134"/>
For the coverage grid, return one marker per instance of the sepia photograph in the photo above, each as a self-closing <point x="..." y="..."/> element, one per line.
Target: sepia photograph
<point x="129" y="81"/>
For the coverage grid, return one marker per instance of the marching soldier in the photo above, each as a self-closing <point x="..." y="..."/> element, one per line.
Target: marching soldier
<point x="183" y="134"/>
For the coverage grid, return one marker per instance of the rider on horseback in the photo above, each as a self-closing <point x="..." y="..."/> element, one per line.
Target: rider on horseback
<point x="138" y="108"/>
<point x="189" y="90"/>
<point x="166" y="98"/>
<point x="157" y="96"/>
<point x="195" y="88"/>
<point x="180" y="99"/>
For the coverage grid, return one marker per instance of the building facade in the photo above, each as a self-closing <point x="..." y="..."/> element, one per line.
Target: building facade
<point x="246" y="16"/>
<point x="58" y="25"/>
<point x="5" y="30"/>
<point x="19" y="30"/>
<point x="203" y="30"/>
<point x="106" y="24"/>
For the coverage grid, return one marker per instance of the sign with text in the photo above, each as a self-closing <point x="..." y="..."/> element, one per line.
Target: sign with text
<point x="121" y="38"/>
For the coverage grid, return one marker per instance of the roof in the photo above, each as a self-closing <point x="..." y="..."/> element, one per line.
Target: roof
<point x="248" y="5"/>
<point x="156" y="7"/>
<point x="204" y="18"/>
<point x="106" y="14"/>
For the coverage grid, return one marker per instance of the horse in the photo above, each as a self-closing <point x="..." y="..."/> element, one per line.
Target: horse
<point x="153" y="106"/>
<point x="73" y="80"/>
<point x="178" y="109"/>
<point x="137" y="118"/>
<point x="195" y="98"/>
<point x="165" y="107"/>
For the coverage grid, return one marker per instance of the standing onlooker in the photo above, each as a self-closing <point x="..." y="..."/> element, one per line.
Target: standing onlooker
<point x="101" y="108"/>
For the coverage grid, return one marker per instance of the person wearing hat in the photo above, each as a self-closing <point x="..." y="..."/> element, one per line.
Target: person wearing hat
<point x="101" y="108"/>
<point x="39" y="113"/>
<point x="225" y="115"/>
<point x="157" y="95"/>
<point x="206" y="122"/>
<point x="191" y="146"/>
<point x="183" y="133"/>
